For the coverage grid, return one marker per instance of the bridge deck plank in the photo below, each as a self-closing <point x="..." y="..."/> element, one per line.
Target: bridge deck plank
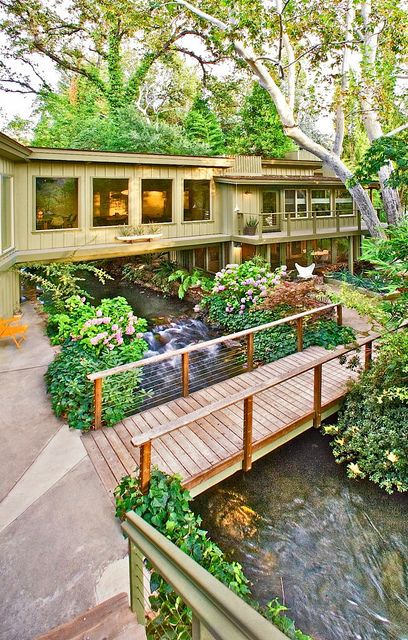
<point x="213" y="443"/>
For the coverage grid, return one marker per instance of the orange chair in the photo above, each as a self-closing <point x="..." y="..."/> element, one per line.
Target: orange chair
<point x="15" y="332"/>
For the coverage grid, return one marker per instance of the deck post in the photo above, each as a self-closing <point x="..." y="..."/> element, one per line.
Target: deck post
<point x="248" y="420"/>
<point x="185" y="374"/>
<point x="250" y="351"/>
<point x="137" y="604"/>
<point x="97" y="403"/>
<point x="339" y="315"/>
<point x="317" y="394"/>
<point x="299" y="331"/>
<point x="368" y="355"/>
<point x="145" y="465"/>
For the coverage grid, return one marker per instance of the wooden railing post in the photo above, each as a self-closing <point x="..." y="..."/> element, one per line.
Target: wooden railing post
<point x="145" y="465"/>
<point x="250" y="351"/>
<point x="97" y="403"/>
<point x="368" y="355"/>
<point x="137" y="600"/>
<point x="299" y="330"/>
<point x="248" y="420"/>
<point x="317" y="396"/>
<point x="185" y="374"/>
<point x="339" y="315"/>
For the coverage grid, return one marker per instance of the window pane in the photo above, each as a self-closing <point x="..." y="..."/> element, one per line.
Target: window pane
<point x="290" y="201"/>
<point x="321" y="202"/>
<point x="342" y="245"/>
<point x="301" y="203"/>
<point x="275" y="255"/>
<point x="344" y="202"/>
<point x="199" y="258"/>
<point x="56" y="203"/>
<point x="214" y="258"/>
<point x="5" y="213"/>
<point x="269" y="202"/>
<point x="196" y="200"/>
<point x="156" y="201"/>
<point x="110" y="201"/>
<point x="322" y="251"/>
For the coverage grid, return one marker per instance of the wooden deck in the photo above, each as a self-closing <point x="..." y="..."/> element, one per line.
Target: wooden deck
<point x="210" y="449"/>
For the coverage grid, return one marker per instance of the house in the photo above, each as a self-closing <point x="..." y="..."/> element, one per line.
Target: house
<point x="65" y="204"/>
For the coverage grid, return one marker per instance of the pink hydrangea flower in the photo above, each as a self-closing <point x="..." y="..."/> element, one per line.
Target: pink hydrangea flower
<point x="99" y="313"/>
<point x="115" y="327"/>
<point x="197" y="308"/>
<point x="129" y="330"/>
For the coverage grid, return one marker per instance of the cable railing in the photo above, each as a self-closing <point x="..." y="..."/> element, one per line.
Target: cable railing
<point x="187" y="369"/>
<point x="247" y="396"/>
<point x="292" y="223"/>
<point x="204" y="608"/>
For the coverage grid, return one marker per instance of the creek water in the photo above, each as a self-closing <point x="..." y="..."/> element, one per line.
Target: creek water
<point x="336" y="550"/>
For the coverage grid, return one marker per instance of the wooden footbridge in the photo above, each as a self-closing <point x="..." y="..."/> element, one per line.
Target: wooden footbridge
<point x="208" y="435"/>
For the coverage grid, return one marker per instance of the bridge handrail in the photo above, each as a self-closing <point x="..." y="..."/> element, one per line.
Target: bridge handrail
<point x="218" y="613"/>
<point x="209" y="343"/>
<point x="198" y="414"/>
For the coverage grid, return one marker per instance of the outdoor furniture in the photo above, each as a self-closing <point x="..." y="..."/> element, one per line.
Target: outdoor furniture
<point x="305" y="272"/>
<point x="11" y="331"/>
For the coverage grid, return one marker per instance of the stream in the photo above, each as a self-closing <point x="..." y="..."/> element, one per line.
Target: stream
<point x="335" y="550"/>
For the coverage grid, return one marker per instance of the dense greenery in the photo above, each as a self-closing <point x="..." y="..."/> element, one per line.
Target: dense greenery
<point x="371" y="434"/>
<point x="371" y="282"/>
<point x="385" y="149"/>
<point x="94" y="338"/>
<point x="202" y="126"/>
<point x="167" y="507"/>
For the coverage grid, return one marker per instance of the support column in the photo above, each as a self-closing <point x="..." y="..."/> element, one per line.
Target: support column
<point x="351" y="254"/>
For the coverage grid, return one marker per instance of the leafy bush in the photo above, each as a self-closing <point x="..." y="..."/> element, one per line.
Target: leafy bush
<point x="187" y="280"/>
<point x="371" y="434"/>
<point x="371" y="282"/>
<point x="166" y="506"/>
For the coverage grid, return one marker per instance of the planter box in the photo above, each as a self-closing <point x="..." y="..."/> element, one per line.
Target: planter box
<point x="250" y="231"/>
<point x="144" y="238"/>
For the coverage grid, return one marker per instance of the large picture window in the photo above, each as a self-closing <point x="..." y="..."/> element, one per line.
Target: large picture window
<point x="321" y="202"/>
<point x="344" y="202"/>
<point x="56" y="203"/>
<point x="6" y="214"/>
<point x="110" y="201"/>
<point x="296" y="203"/>
<point x="196" y="200"/>
<point x="156" y="201"/>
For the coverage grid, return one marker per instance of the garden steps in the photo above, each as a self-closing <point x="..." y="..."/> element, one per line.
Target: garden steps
<point x="110" y="620"/>
<point x="210" y="448"/>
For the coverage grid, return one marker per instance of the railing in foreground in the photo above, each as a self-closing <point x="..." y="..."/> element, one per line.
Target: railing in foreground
<point x="144" y="440"/>
<point x="217" y="612"/>
<point x="185" y="352"/>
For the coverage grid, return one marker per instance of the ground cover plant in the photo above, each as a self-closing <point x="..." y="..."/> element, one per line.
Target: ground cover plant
<point x="166" y="506"/>
<point x="370" y="281"/>
<point x="94" y="338"/>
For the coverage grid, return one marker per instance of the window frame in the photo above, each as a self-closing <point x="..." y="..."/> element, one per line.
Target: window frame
<point x="295" y="213"/>
<point x="173" y="211"/>
<point x="34" y="204"/>
<point x="313" y="211"/>
<point x="210" y="190"/>
<point x="13" y="239"/>
<point x="344" y="215"/>
<point x="109" y="226"/>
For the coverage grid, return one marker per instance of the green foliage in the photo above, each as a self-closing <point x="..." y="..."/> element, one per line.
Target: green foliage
<point x="259" y="130"/>
<point x="371" y="434"/>
<point x="370" y="281"/>
<point x="59" y="281"/>
<point x="94" y="339"/>
<point x="166" y="506"/>
<point x="392" y="149"/>
<point x="188" y="280"/>
<point x="389" y="255"/>
<point x="201" y="125"/>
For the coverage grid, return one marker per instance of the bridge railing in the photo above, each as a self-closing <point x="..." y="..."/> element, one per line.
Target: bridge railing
<point x="217" y="612"/>
<point x="144" y="440"/>
<point x="186" y="352"/>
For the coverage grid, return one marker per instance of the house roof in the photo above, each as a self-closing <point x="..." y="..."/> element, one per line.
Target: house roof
<point x="273" y="179"/>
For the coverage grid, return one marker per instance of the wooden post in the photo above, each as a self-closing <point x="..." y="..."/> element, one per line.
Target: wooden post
<point x="248" y="420"/>
<point x="145" y="465"/>
<point x="368" y="355"/>
<point x="299" y="329"/>
<point x="339" y="315"/>
<point x="250" y="351"/>
<point x="317" y="393"/>
<point x="337" y="214"/>
<point x="137" y="600"/>
<point x="185" y="374"/>
<point x="97" y="403"/>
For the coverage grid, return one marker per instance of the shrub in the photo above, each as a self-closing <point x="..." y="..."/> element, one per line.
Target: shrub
<point x="371" y="434"/>
<point x="166" y="506"/>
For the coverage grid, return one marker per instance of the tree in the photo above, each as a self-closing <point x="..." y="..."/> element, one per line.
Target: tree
<point x="201" y="125"/>
<point x="274" y="42"/>
<point x="259" y="130"/>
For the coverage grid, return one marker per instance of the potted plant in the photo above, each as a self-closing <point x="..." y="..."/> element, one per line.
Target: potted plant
<point x="251" y="226"/>
<point x="138" y="233"/>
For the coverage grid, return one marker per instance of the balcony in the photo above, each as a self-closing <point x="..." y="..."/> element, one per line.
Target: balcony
<point x="267" y="225"/>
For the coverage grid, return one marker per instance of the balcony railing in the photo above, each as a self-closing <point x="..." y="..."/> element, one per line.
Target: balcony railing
<point x="287" y="224"/>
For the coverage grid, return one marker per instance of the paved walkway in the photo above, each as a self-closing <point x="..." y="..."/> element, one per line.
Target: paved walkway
<point x="61" y="550"/>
